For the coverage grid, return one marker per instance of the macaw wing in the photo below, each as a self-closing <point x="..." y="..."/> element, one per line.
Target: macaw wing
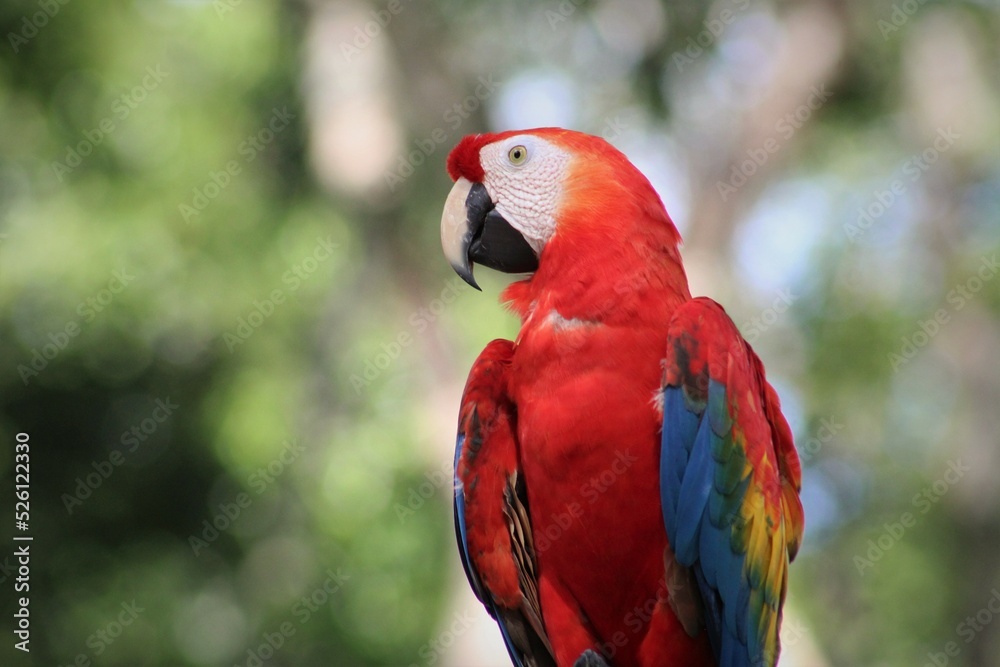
<point x="492" y="523"/>
<point x="729" y="482"/>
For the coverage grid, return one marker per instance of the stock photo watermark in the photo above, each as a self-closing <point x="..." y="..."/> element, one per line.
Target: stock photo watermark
<point x="223" y="7"/>
<point x="591" y="491"/>
<point x="31" y="25"/>
<point x="894" y="531"/>
<point x="418" y="496"/>
<point x="453" y="118"/>
<point x="827" y="430"/>
<point x="901" y="13"/>
<point x="912" y="169"/>
<point x="758" y="324"/>
<point x="121" y="109"/>
<point x="99" y="641"/>
<point x="968" y="629"/>
<point x="249" y="150"/>
<point x="713" y="30"/>
<point x="228" y="513"/>
<point x="561" y="13"/>
<point x="419" y="321"/>
<point x="272" y="641"/>
<point x="431" y="651"/>
<point x="957" y="298"/>
<point x="292" y="279"/>
<point x="365" y="34"/>
<point x="130" y="440"/>
<point x="784" y="129"/>
<point x="88" y="309"/>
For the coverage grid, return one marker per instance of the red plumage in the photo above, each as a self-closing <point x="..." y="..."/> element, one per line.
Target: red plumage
<point x="464" y="158"/>
<point x="567" y="411"/>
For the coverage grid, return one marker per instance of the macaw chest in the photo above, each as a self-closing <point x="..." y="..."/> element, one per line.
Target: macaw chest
<point x="588" y="438"/>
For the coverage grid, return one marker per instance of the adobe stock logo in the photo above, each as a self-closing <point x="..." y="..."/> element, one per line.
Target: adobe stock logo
<point x="364" y="34"/>
<point x="293" y="279"/>
<point x="957" y="298"/>
<point x="420" y="320"/>
<point x="714" y="27"/>
<point x="913" y="169"/>
<point x="249" y="149"/>
<point x="784" y="129"/>
<point x="37" y="21"/>
<point x="131" y="439"/>
<point x="894" y="531"/>
<point x="60" y="339"/>
<point x="546" y="535"/>
<point x="272" y="642"/>
<point x="453" y="117"/>
<point x="120" y="109"/>
<point x="968" y="630"/>
<point x="229" y="512"/>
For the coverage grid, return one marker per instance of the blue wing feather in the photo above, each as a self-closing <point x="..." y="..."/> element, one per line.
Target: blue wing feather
<point x="677" y="442"/>
<point x="693" y="499"/>
<point x="727" y="518"/>
<point x="698" y="525"/>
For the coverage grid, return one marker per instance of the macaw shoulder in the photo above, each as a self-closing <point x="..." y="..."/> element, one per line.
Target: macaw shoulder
<point x="704" y="341"/>
<point x="702" y="329"/>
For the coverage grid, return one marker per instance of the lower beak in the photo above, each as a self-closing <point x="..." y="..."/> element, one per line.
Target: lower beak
<point x="472" y="231"/>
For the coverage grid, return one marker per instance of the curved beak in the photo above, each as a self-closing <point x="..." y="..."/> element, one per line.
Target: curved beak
<point x="472" y="231"/>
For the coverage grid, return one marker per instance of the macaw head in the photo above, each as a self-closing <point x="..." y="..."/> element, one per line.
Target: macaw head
<point x="518" y="193"/>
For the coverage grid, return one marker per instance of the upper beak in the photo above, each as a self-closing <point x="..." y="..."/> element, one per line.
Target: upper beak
<point x="473" y="231"/>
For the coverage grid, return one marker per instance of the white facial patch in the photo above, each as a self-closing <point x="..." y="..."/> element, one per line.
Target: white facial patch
<point x="524" y="176"/>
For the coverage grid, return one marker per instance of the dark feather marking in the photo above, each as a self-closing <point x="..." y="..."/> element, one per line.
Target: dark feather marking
<point x="476" y="439"/>
<point x="686" y="350"/>
<point x="589" y="658"/>
<point x="515" y="508"/>
<point x="486" y="410"/>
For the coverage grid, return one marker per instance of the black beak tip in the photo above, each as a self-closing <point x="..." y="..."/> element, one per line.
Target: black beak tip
<point x="487" y="238"/>
<point x="465" y="272"/>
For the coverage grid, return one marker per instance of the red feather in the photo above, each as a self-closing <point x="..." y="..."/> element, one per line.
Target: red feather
<point x="580" y="381"/>
<point x="464" y="158"/>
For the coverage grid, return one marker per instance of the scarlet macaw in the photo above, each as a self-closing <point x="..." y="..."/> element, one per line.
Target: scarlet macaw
<point x="626" y="485"/>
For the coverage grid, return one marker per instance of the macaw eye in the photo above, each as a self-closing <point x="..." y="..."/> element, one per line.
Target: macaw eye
<point x="517" y="155"/>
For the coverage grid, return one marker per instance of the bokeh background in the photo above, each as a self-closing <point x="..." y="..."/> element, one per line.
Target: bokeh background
<point x="227" y="327"/>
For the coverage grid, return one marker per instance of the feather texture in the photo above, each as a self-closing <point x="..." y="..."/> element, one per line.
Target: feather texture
<point x="561" y="455"/>
<point x="734" y="517"/>
<point x="492" y="523"/>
